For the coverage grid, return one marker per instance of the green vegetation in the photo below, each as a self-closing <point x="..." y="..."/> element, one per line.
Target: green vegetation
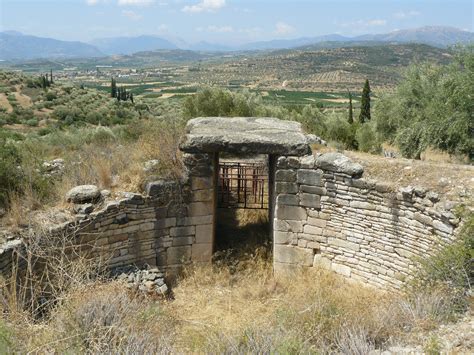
<point x="432" y="107"/>
<point x="365" y="104"/>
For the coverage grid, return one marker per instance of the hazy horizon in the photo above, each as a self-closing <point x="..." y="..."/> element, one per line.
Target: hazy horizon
<point x="226" y="21"/>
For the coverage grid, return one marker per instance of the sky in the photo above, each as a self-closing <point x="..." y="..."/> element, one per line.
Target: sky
<point x="227" y="21"/>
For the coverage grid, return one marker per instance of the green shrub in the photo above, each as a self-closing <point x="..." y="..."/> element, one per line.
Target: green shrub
<point x="366" y="137"/>
<point x="51" y="95"/>
<point x="451" y="268"/>
<point x="10" y="172"/>
<point x="33" y="122"/>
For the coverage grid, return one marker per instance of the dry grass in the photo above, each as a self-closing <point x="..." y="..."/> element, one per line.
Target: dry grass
<point x="451" y="179"/>
<point x="219" y="309"/>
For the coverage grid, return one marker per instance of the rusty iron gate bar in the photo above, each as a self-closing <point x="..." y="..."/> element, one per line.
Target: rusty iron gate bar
<point x="242" y="185"/>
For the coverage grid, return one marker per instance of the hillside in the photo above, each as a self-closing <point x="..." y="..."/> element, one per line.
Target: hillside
<point x="14" y="45"/>
<point x="316" y="69"/>
<point x="129" y="45"/>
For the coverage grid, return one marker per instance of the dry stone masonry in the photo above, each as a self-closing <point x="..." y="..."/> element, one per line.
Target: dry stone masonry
<point x="324" y="213"/>
<point x="328" y="216"/>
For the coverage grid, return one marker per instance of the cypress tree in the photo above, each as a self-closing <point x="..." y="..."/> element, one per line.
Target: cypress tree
<point x="351" y="116"/>
<point x="113" y="88"/>
<point x="131" y="97"/>
<point x="365" y="103"/>
<point x="51" y="72"/>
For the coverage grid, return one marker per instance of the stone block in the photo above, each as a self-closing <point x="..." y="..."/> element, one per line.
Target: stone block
<point x="317" y="222"/>
<point x="196" y="220"/>
<point x="202" y="252"/>
<point x="322" y="262"/>
<point x="280" y="237"/>
<point x="313" y="189"/>
<point x="293" y="255"/>
<point x="285" y="175"/>
<point x="204" y="233"/>
<point x="201" y="183"/>
<point x="362" y="205"/>
<point x="182" y="231"/>
<point x="288" y="226"/>
<point x="178" y="255"/>
<point x="286" y="187"/>
<point x="291" y="212"/>
<point x="307" y="162"/>
<point x="201" y="209"/>
<point x="341" y="269"/>
<point x="310" y="200"/>
<point x="309" y="177"/>
<point x="308" y="229"/>
<point x="179" y="241"/>
<point x="166" y="223"/>
<point x="202" y="195"/>
<point x="290" y="200"/>
<point x="341" y="243"/>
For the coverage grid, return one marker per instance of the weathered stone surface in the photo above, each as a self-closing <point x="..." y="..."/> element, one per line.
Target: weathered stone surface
<point x="286" y="187"/>
<point x="309" y="177"/>
<point x="83" y="193"/>
<point x="310" y="200"/>
<point x="293" y="255"/>
<point x="245" y="135"/>
<point x="286" y="199"/>
<point x="86" y="208"/>
<point x="291" y="212"/>
<point x="339" y="163"/>
<point x="204" y="233"/>
<point x="285" y="175"/>
<point x="156" y="188"/>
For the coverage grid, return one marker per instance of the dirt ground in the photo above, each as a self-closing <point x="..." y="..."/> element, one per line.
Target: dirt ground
<point x="452" y="181"/>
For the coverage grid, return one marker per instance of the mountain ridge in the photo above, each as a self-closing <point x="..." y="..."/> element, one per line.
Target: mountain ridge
<point x="15" y="45"/>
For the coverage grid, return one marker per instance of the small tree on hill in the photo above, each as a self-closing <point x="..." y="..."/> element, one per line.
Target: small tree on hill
<point x="51" y="75"/>
<point x="365" y="103"/>
<point x="350" y="119"/>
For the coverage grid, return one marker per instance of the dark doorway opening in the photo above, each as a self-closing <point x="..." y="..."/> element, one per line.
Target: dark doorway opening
<point x="243" y="207"/>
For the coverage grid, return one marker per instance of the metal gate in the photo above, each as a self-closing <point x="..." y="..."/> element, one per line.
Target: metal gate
<point x="242" y="185"/>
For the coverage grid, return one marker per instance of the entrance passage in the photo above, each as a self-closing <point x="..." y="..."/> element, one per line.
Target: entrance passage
<point x="242" y="223"/>
<point x="243" y="185"/>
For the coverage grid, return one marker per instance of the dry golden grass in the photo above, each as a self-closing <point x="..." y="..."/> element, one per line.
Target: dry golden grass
<point x="219" y="309"/>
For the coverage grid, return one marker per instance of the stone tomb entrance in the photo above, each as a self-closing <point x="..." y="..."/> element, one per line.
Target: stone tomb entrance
<point x="236" y="158"/>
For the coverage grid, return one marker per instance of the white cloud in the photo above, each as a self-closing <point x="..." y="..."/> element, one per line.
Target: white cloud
<point x="376" y="22"/>
<point x="283" y="29"/>
<point x="135" y="2"/>
<point x="401" y="15"/>
<point x="205" y="6"/>
<point x="92" y="2"/>
<point x="216" y="29"/>
<point x="132" y="15"/>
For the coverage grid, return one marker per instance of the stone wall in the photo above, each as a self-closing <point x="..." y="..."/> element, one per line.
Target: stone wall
<point x="327" y="215"/>
<point x="171" y="225"/>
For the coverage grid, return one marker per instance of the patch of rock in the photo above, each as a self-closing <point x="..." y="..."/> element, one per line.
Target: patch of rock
<point x="149" y="281"/>
<point x="83" y="194"/>
<point x="53" y="168"/>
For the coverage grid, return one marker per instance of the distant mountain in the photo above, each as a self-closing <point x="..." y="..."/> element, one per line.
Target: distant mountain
<point x="15" y="45"/>
<point x="129" y="45"/>
<point x="207" y="46"/>
<point x="292" y="43"/>
<point x="437" y="36"/>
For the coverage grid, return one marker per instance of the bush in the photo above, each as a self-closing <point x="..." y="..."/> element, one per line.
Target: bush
<point x="32" y="122"/>
<point x="366" y="137"/>
<point x="432" y="107"/>
<point x="451" y="268"/>
<point x="10" y="173"/>
<point x="219" y="102"/>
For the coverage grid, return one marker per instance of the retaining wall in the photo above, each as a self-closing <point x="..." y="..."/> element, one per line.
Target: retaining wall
<point x="327" y="215"/>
